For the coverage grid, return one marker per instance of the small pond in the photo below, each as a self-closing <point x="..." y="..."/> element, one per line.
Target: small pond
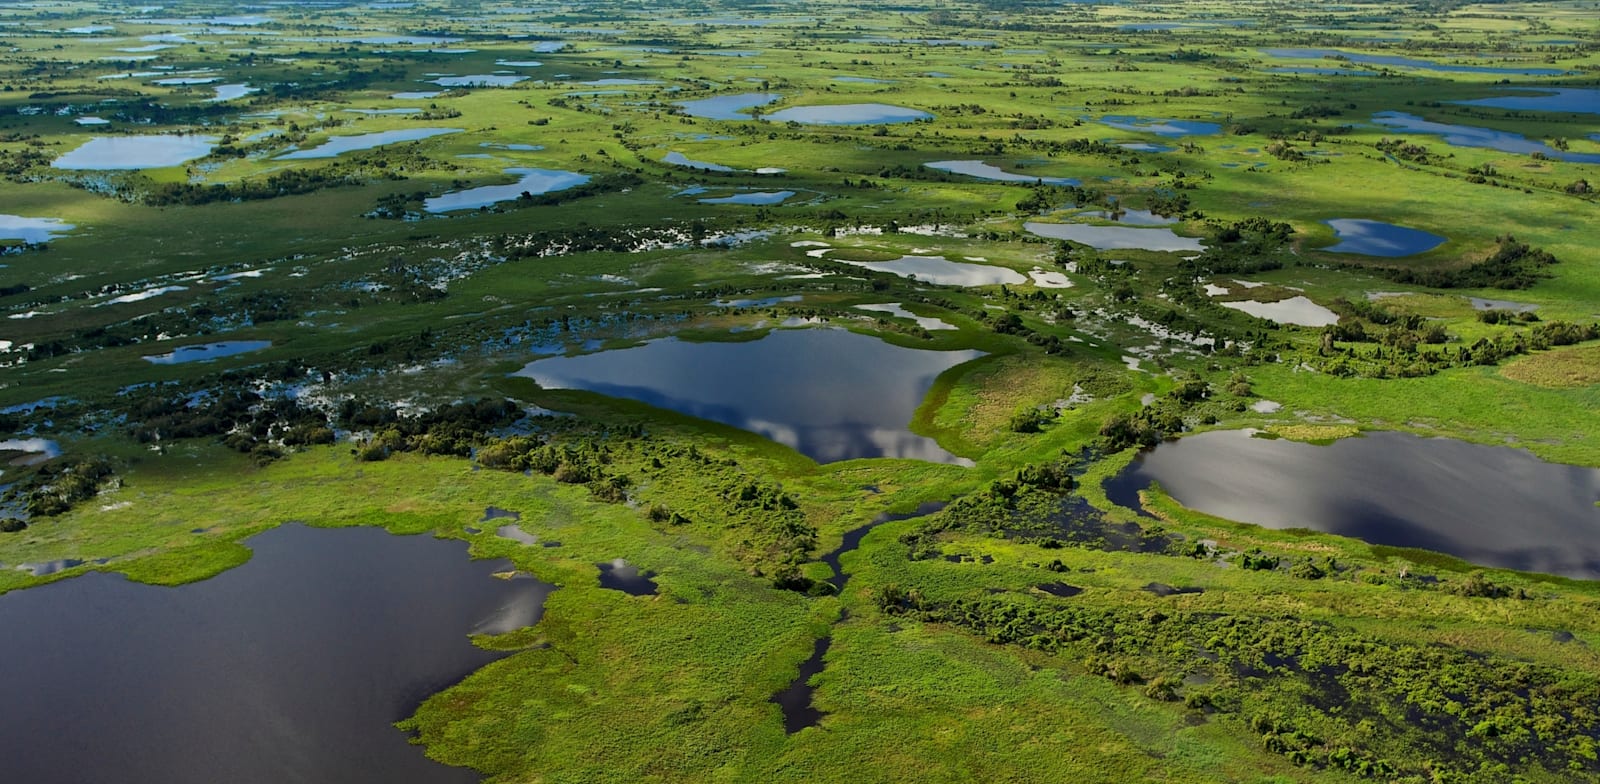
<point x="1491" y="505"/>
<point x="828" y="393"/>
<point x="34" y="450"/>
<point x="897" y="310"/>
<point x="339" y="145"/>
<point x="984" y="171"/>
<point x="229" y="92"/>
<point x="620" y="82"/>
<point x="292" y="667"/>
<point x="795" y="701"/>
<point x="727" y="107"/>
<point x="1484" y="138"/>
<point x="679" y="159"/>
<point x="849" y="114"/>
<point x="136" y="152"/>
<point x="479" y="80"/>
<point x="941" y="271"/>
<point x="532" y="182"/>
<point x="1147" y="147"/>
<point x="1313" y="70"/>
<point x="1403" y="62"/>
<point x="32" y="230"/>
<point x="764" y="198"/>
<point x="1376" y="238"/>
<point x="1116" y="237"/>
<point x="1168" y="128"/>
<point x="764" y="302"/>
<point x="207" y="352"/>
<point x="1577" y="100"/>
<point x="1480" y="303"/>
<point x="619" y="575"/>
<point x="1294" y="310"/>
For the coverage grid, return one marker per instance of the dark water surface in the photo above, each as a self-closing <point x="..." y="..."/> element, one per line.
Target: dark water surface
<point x="290" y="668"/>
<point x="1495" y="506"/>
<point x="795" y="701"/>
<point x="828" y="393"/>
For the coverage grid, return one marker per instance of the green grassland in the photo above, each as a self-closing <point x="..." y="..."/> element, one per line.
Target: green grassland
<point x="947" y="661"/>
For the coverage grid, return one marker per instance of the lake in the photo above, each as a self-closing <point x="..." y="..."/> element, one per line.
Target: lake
<point x="941" y="271"/>
<point x="207" y="351"/>
<point x="292" y="667"/>
<point x="828" y="393"/>
<point x="108" y="153"/>
<point x="479" y="80"/>
<point x="984" y="171"/>
<point x="1167" y="128"/>
<point x="1491" y="505"/>
<point x="1116" y="237"/>
<point x="897" y="310"/>
<point x="32" y="230"/>
<point x="230" y="92"/>
<point x="533" y="181"/>
<point x="1576" y="100"/>
<point x="339" y="145"/>
<point x="679" y="159"/>
<point x="1485" y="138"/>
<point x="1404" y="62"/>
<point x="849" y="114"/>
<point x="727" y="107"/>
<point x="1294" y="310"/>
<point x="1376" y="238"/>
<point x="763" y="198"/>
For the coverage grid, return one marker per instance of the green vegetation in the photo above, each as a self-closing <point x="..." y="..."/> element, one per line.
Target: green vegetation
<point x="1030" y="629"/>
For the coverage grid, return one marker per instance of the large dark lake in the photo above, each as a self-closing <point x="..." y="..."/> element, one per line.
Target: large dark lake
<point x="1495" y="506"/>
<point x="290" y="668"/>
<point x="828" y="393"/>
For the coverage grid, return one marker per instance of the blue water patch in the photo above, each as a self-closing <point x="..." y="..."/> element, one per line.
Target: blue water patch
<point x="1405" y="62"/>
<point x="1322" y="71"/>
<point x="679" y="159"/>
<point x="32" y="230"/>
<point x="533" y="182"/>
<point x="727" y="107"/>
<point x="763" y="198"/>
<point x="984" y="171"/>
<point x="830" y="394"/>
<point x="1376" y="238"/>
<point x="849" y="114"/>
<point x="479" y="80"/>
<point x="1147" y="147"/>
<point x="135" y="152"/>
<point x="1576" y="100"/>
<point x="1167" y="128"/>
<point x="1484" y="138"/>
<point x="207" y="352"/>
<point x="340" y="145"/>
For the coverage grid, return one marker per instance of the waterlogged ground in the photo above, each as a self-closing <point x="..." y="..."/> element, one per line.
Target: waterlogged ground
<point x="810" y="355"/>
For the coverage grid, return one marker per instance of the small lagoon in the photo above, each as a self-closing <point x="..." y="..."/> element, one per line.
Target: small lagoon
<point x="984" y="171"/>
<point x="533" y="182"/>
<point x="1376" y="238"/>
<point x="207" y="351"/>
<point x="122" y="153"/>
<point x="828" y="393"/>
<point x="1491" y="505"/>
<point x="339" y="145"/>
<point x="849" y="114"/>
<point x="1484" y="138"/>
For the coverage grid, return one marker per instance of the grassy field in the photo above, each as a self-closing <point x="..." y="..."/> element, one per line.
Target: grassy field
<point x="371" y="303"/>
